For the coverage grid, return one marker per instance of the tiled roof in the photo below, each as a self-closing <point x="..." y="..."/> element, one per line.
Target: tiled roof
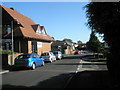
<point x="29" y="26"/>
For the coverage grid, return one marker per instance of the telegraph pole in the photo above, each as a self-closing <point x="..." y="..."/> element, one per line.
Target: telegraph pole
<point x="12" y="42"/>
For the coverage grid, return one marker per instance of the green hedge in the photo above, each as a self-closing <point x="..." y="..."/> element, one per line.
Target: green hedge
<point x="7" y="52"/>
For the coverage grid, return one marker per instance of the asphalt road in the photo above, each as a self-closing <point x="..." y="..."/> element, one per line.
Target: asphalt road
<point x="52" y="75"/>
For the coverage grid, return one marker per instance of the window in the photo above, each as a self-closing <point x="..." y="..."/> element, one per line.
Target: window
<point x="6" y="29"/>
<point x="43" y="32"/>
<point x="39" y="44"/>
<point x="34" y="56"/>
<point x="44" y="54"/>
<point x="23" y="57"/>
<point x="39" y="31"/>
<point x="9" y="30"/>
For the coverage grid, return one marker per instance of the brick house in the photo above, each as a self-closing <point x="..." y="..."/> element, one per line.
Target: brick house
<point x="63" y="46"/>
<point x="28" y="36"/>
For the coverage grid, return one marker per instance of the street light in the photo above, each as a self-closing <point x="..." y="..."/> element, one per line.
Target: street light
<point x="12" y="42"/>
<point x="12" y="28"/>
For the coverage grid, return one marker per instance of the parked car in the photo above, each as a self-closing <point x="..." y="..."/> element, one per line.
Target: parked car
<point x="58" y="54"/>
<point x="48" y="56"/>
<point x="29" y="60"/>
<point x="77" y="52"/>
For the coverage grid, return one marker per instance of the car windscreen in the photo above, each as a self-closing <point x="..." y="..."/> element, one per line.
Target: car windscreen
<point x="44" y="54"/>
<point x="23" y="57"/>
<point x="55" y="52"/>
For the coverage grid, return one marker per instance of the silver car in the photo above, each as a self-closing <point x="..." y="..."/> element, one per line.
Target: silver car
<point x="58" y="54"/>
<point x="48" y="57"/>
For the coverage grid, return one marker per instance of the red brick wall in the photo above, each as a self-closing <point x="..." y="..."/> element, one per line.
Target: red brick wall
<point x="46" y="47"/>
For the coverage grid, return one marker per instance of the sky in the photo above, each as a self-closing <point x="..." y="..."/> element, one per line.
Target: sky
<point x="61" y="19"/>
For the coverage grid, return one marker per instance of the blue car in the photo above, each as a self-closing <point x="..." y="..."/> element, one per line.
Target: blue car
<point x="29" y="60"/>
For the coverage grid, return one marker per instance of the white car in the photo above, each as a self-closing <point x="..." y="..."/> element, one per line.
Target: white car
<point x="48" y="57"/>
<point x="58" y="54"/>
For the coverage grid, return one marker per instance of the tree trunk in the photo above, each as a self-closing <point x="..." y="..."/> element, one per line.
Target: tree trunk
<point x="113" y="63"/>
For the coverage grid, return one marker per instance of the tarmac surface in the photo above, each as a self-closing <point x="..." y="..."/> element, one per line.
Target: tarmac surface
<point x="71" y="72"/>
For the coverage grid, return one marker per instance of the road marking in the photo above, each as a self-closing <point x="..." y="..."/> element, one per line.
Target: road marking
<point x="79" y="66"/>
<point x="4" y="71"/>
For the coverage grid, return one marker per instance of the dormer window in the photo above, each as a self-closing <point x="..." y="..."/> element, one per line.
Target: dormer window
<point x="38" y="31"/>
<point x="43" y="31"/>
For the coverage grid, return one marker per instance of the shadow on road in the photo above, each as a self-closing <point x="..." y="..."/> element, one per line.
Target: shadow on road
<point x="58" y="82"/>
<point x="81" y="80"/>
<point x="93" y="80"/>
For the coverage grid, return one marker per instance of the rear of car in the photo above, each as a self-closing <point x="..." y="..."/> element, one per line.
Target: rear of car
<point x="77" y="52"/>
<point x="58" y="54"/>
<point x="22" y="60"/>
<point x="48" y="57"/>
<point x="28" y="60"/>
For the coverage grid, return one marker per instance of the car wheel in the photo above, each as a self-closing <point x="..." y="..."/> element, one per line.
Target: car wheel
<point x="43" y="63"/>
<point x="50" y="61"/>
<point x="60" y="58"/>
<point x="33" y="66"/>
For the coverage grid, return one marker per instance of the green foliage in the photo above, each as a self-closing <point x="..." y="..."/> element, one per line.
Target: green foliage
<point x="93" y="44"/>
<point x="104" y="18"/>
<point x="8" y="52"/>
<point x="69" y="40"/>
<point x="79" y="42"/>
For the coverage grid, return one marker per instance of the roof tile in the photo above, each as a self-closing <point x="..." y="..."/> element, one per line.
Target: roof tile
<point x="29" y="26"/>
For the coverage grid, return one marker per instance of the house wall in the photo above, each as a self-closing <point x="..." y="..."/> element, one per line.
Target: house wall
<point x="29" y="47"/>
<point x="69" y="50"/>
<point x="46" y="47"/>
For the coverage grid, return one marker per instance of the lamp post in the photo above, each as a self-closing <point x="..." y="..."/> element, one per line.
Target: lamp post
<point x="12" y="32"/>
<point x="12" y="42"/>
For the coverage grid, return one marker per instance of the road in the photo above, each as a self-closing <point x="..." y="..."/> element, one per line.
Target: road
<point x="52" y="75"/>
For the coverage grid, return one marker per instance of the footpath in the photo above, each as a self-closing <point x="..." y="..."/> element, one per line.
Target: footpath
<point x="3" y="70"/>
<point x="92" y="77"/>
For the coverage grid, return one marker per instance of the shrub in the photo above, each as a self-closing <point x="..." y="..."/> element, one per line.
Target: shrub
<point x="7" y="52"/>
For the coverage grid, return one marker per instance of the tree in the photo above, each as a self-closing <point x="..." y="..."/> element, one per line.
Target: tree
<point x="104" y="18"/>
<point x="67" y="40"/>
<point x="94" y="44"/>
<point x="79" y="42"/>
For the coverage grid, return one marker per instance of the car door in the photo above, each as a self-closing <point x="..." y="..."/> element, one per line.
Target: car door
<point x="34" y="59"/>
<point x="39" y="60"/>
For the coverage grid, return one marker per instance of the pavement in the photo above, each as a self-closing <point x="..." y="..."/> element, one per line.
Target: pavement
<point x="93" y="78"/>
<point x="4" y="71"/>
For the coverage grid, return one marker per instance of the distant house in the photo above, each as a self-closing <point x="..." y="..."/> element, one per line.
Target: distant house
<point x="64" y="47"/>
<point x="28" y="36"/>
<point x="57" y="46"/>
